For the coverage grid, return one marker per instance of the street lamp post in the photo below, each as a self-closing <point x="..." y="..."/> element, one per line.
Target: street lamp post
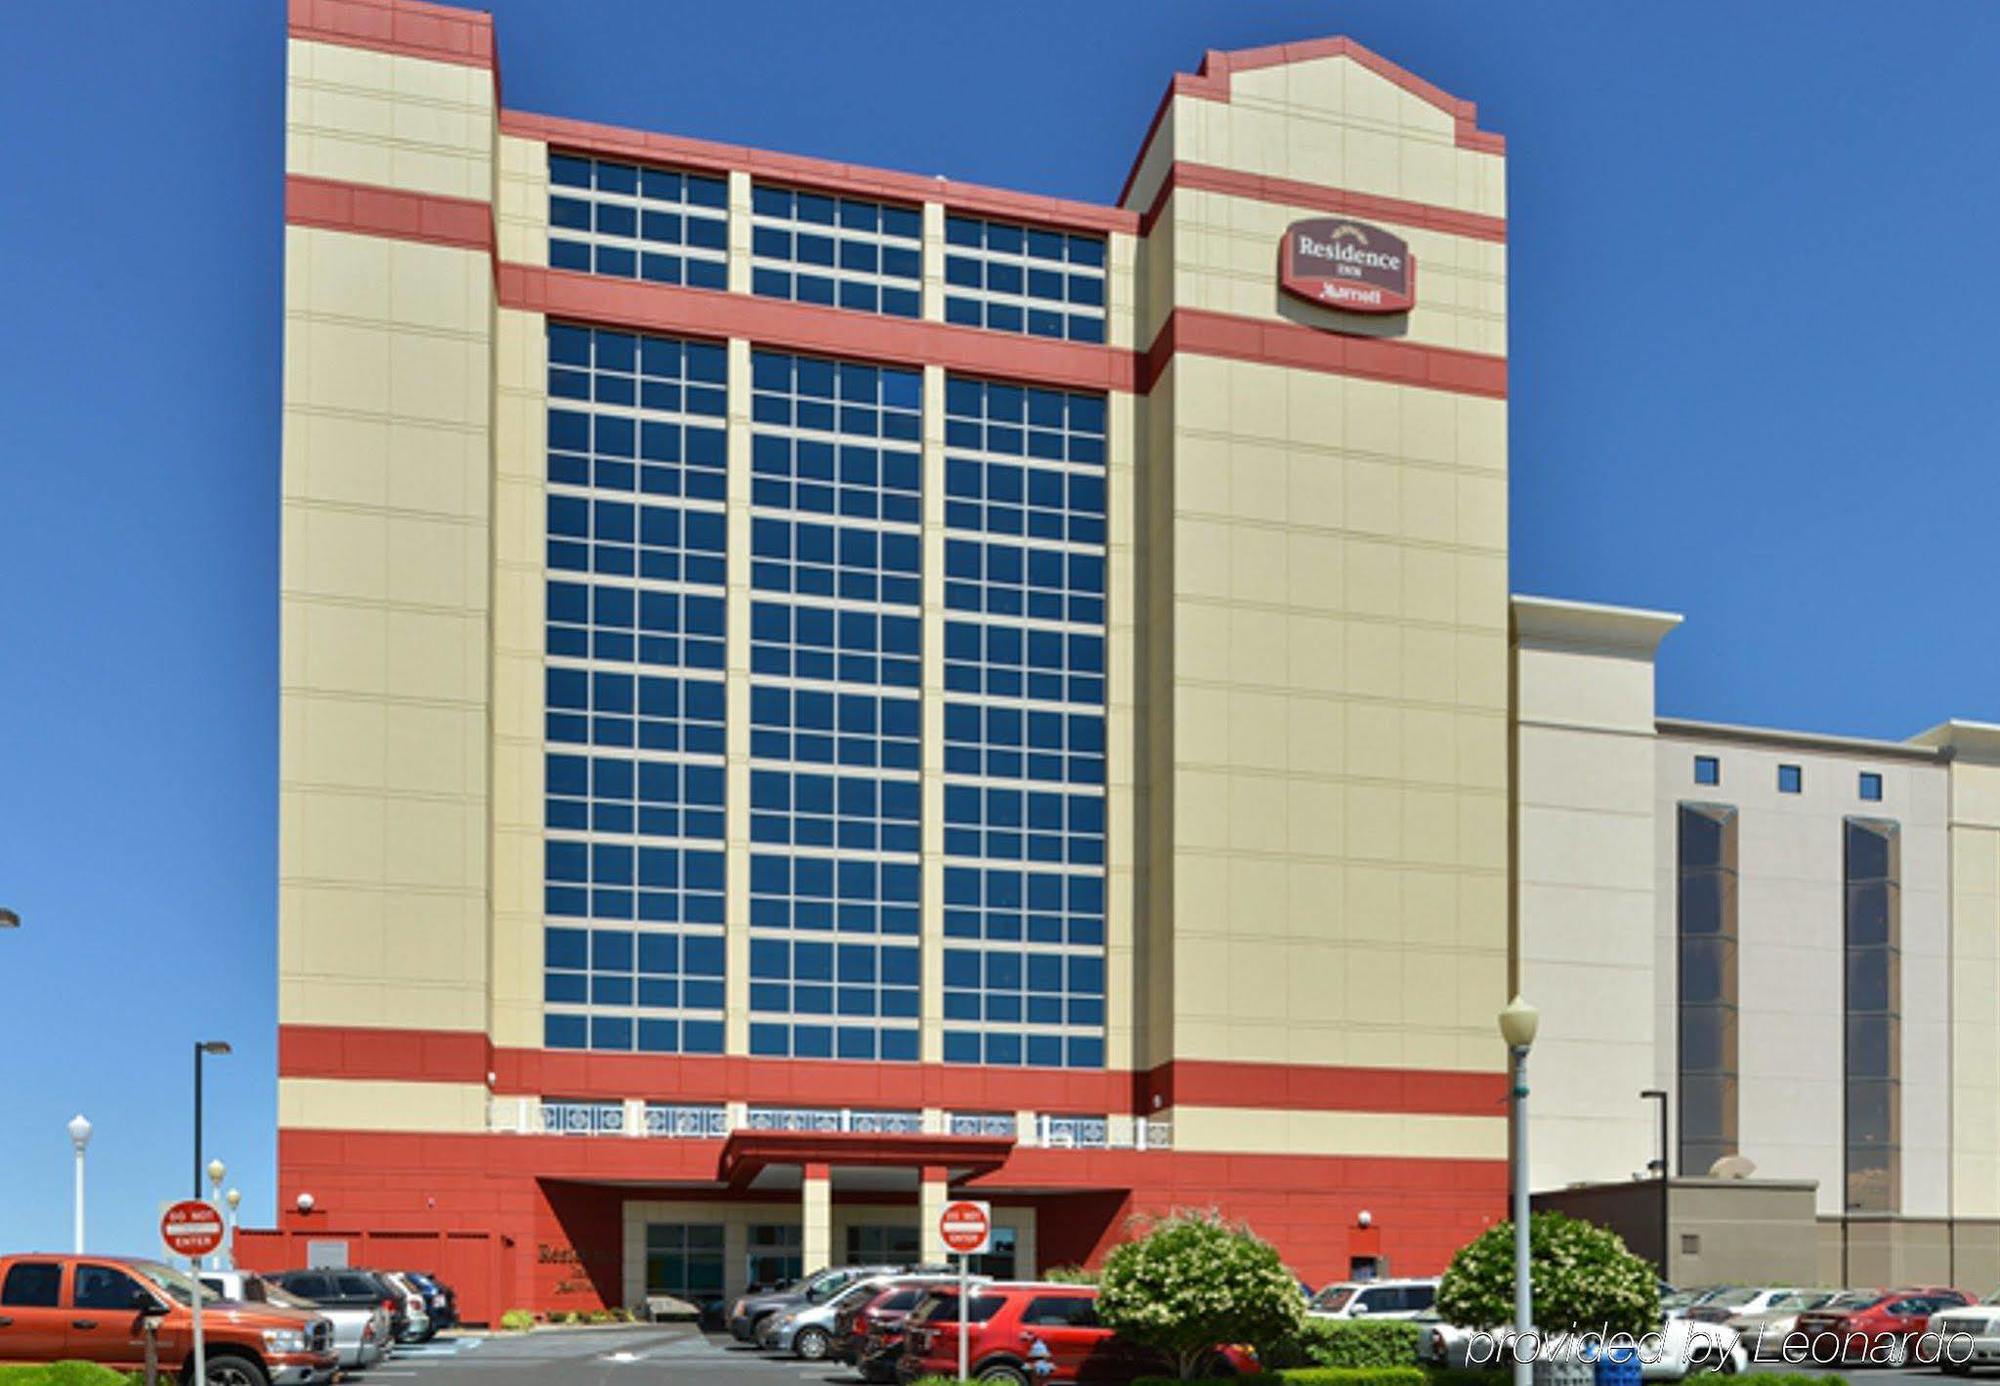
<point x="1657" y="1095"/>
<point x="1518" y="1023"/>
<point x="202" y="1048"/>
<point x="217" y="1172"/>
<point x="235" y="1200"/>
<point x="79" y="1137"/>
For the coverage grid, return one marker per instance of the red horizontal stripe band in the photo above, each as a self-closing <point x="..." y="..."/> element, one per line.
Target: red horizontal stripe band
<point x="1200" y="333"/>
<point x="808" y="327"/>
<point x="1289" y="192"/>
<point x="372" y="211"/>
<point x="441" y="33"/>
<point x="337" y="1052"/>
<point x="831" y="175"/>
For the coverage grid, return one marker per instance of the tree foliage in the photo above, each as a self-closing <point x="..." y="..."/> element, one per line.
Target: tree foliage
<point x="1582" y="1277"/>
<point x="1194" y="1283"/>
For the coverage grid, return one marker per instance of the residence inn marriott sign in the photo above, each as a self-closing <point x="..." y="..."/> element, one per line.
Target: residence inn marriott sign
<point x="1349" y="265"/>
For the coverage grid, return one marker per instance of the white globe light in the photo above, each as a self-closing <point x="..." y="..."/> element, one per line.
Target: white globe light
<point x="305" y="1203"/>
<point x="79" y="1131"/>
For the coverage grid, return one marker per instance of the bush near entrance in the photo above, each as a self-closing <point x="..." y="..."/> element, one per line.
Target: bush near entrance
<point x="1194" y="1283"/>
<point x="1583" y="1278"/>
<point x="1349" y="1343"/>
<point x="65" y="1374"/>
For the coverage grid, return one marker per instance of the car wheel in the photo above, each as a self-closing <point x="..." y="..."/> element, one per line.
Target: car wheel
<point x="1005" y="1373"/>
<point x="810" y="1344"/>
<point x="231" y="1370"/>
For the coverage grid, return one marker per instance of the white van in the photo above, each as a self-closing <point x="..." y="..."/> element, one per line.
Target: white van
<point x="1374" y="1299"/>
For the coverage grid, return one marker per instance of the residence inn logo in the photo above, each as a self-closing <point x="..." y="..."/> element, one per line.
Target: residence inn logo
<point x="1348" y="265"/>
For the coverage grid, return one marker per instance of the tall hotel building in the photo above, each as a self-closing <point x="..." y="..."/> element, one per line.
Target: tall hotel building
<point x="810" y="690"/>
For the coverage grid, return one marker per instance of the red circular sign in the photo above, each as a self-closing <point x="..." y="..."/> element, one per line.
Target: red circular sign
<point x="191" y="1228"/>
<point x="965" y="1227"/>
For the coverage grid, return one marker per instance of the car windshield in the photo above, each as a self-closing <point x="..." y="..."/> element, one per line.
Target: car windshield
<point x="1855" y="1299"/>
<point x="175" y="1283"/>
<point x="1333" y="1297"/>
<point x="856" y="1293"/>
<point x="1798" y="1299"/>
<point x="277" y="1294"/>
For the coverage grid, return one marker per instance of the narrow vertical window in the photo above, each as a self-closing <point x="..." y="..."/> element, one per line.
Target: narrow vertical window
<point x="1791" y="779"/>
<point x="1707" y="770"/>
<point x="1706" y="908"/>
<point x="1871" y="787"/>
<point x="1873" y="1057"/>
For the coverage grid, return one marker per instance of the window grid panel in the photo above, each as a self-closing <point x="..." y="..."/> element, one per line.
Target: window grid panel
<point x="842" y="252"/>
<point x="1024" y="728"/>
<point x="665" y="226"/>
<point x="634" y="794"/>
<point x="836" y="662"/>
<point x="1008" y="277"/>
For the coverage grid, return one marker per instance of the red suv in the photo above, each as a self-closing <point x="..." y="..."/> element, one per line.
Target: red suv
<point x="1873" y="1325"/>
<point x="871" y="1335"/>
<point x="1011" y="1326"/>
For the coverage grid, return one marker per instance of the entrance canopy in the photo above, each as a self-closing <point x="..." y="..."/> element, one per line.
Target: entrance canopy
<point x="775" y="1159"/>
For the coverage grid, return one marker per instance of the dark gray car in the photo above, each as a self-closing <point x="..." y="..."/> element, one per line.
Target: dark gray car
<point x="751" y="1310"/>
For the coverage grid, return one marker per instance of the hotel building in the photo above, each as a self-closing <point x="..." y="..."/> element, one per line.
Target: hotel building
<point x="810" y="690"/>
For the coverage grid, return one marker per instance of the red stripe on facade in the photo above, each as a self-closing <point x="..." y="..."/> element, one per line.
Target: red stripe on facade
<point x="442" y="1056"/>
<point x="810" y="328"/>
<point x="1317" y="1088"/>
<point x="1290" y="192"/>
<point x="825" y="174"/>
<point x="1196" y="332"/>
<point x="1210" y="82"/>
<point x="441" y="33"/>
<point x="371" y="211"/>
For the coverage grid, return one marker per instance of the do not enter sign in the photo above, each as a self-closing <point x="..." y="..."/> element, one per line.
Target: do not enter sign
<point x="966" y="1227"/>
<point x="191" y="1228"/>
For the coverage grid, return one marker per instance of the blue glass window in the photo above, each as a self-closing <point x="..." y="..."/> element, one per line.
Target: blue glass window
<point x="634" y="785"/>
<point x="840" y="252"/>
<point x="1013" y="278"/>
<point x="836" y="662"/>
<point x="664" y="226"/>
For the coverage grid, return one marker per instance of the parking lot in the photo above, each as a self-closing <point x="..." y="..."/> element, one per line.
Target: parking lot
<point x="681" y="1352"/>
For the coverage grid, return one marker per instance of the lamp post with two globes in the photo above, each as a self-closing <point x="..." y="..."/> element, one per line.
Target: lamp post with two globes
<point x="1518" y="1023"/>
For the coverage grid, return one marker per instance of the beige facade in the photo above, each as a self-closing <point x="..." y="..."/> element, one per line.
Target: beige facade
<point x="386" y="737"/>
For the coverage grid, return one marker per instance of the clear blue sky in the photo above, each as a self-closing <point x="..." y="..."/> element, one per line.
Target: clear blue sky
<point x="1754" y="296"/>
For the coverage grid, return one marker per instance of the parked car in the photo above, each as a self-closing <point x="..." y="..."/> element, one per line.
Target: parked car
<point x="1765" y="1330"/>
<point x="1012" y="1327"/>
<point x="95" y="1309"/>
<point x="747" y="1315"/>
<point x="1737" y="1299"/>
<point x="440" y="1302"/>
<point x="1684" y="1346"/>
<point x="348" y="1289"/>
<point x="1375" y="1299"/>
<point x="1874" y="1325"/>
<point x="870" y="1336"/>
<point x="417" y="1325"/>
<point x="808" y="1330"/>
<point x="360" y="1334"/>
<point x="1969" y="1336"/>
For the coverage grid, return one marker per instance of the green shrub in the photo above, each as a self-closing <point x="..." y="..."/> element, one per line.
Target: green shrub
<point x="1070" y="1275"/>
<point x="597" y="1316"/>
<point x="1584" y="1279"/>
<point x="1798" y="1379"/>
<point x="1194" y="1282"/>
<point x="1348" y="1343"/>
<point x="1465" y="1376"/>
<point x="1308" y="1376"/>
<point x="61" y="1374"/>
<point x="517" y="1320"/>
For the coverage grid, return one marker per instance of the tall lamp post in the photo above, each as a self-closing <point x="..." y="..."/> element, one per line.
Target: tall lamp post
<point x="79" y="1138"/>
<point x="1657" y="1095"/>
<point x="202" y="1048"/>
<point x="1518" y="1023"/>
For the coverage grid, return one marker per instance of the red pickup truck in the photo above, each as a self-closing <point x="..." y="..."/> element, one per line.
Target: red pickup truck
<point x="94" y="1309"/>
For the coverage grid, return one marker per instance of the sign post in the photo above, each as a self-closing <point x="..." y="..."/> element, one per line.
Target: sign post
<point x="193" y="1229"/>
<point x="965" y="1227"/>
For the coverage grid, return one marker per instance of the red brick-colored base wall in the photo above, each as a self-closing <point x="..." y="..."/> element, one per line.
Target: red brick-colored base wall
<point x="535" y="1222"/>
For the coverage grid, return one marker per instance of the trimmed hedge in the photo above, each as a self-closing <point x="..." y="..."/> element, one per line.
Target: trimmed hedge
<point x="1309" y="1376"/>
<point x="65" y="1374"/>
<point x="1349" y="1343"/>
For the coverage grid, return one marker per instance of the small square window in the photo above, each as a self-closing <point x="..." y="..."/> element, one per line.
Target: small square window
<point x="1871" y="786"/>
<point x="1791" y="779"/>
<point x="1707" y="770"/>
